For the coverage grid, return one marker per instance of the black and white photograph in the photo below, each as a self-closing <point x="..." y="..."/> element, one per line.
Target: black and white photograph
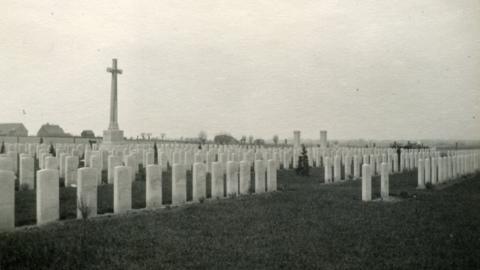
<point x="240" y="134"/>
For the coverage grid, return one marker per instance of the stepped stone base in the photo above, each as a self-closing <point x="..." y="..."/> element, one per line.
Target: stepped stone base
<point x="112" y="139"/>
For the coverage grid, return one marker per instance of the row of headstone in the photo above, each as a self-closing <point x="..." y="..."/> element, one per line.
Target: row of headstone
<point x="238" y="181"/>
<point x="286" y="156"/>
<point x="132" y="155"/>
<point x="434" y="170"/>
<point x="440" y="169"/>
<point x="187" y="154"/>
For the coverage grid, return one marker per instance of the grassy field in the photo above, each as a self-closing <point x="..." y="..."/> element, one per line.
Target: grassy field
<point x="303" y="225"/>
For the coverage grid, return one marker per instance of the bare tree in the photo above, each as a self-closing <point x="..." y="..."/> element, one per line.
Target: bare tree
<point x="275" y="139"/>
<point x="202" y="136"/>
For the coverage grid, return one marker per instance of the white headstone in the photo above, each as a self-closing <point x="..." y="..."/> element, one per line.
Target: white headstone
<point x="179" y="184"/>
<point x="48" y="192"/>
<point x="86" y="192"/>
<point x="395" y="163"/>
<point x="232" y="178"/>
<point x="122" y="189"/>
<point x="434" y="168"/>
<point x="96" y="164"/>
<point x="6" y="163"/>
<point x="149" y="158"/>
<point x="271" y="175"/>
<point x="384" y="185"/>
<point x="421" y="174"/>
<point x="7" y="200"/>
<point x="348" y="167"/>
<point x="153" y="186"/>
<point x="428" y="171"/>
<point x="366" y="183"/>
<point x="327" y="170"/>
<point x="14" y="157"/>
<point x="199" y="186"/>
<point x="245" y="177"/>
<point x="113" y="161"/>
<point x="61" y="164"/>
<point x="337" y="169"/>
<point x="217" y="180"/>
<point x="71" y="166"/>
<point x="131" y="162"/>
<point x="356" y="167"/>
<point x="27" y="176"/>
<point x="259" y="176"/>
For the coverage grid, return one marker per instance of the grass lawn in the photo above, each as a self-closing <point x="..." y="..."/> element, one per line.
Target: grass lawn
<point x="304" y="225"/>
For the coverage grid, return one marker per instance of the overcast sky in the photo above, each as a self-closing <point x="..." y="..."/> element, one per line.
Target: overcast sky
<point x="404" y="69"/>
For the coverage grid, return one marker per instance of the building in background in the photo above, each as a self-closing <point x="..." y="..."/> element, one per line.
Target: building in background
<point x="13" y="129"/>
<point x="51" y="130"/>
<point x="87" y="134"/>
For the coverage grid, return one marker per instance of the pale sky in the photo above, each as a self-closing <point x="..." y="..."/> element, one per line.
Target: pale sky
<point x="406" y="69"/>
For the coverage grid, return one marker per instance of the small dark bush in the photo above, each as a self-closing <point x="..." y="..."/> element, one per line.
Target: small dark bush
<point x="403" y="194"/>
<point x="303" y="169"/>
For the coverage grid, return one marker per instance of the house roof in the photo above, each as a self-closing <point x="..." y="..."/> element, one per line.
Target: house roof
<point x="51" y="129"/>
<point x="7" y="127"/>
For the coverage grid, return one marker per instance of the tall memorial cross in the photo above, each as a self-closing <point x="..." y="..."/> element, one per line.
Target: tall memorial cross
<point x="113" y="136"/>
<point x="113" y="97"/>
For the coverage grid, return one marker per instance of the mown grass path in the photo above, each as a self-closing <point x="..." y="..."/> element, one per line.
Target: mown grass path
<point x="304" y="225"/>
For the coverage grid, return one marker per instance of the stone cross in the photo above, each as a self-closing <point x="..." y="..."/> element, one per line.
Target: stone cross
<point x="113" y="97"/>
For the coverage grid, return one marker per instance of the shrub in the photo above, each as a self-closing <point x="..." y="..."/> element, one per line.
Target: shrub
<point x="224" y="139"/>
<point x="24" y="187"/>
<point x="52" y="150"/>
<point x="83" y="208"/>
<point x="403" y="194"/>
<point x="155" y="153"/>
<point x="303" y="168"/>
<point x="429" y="186"/>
